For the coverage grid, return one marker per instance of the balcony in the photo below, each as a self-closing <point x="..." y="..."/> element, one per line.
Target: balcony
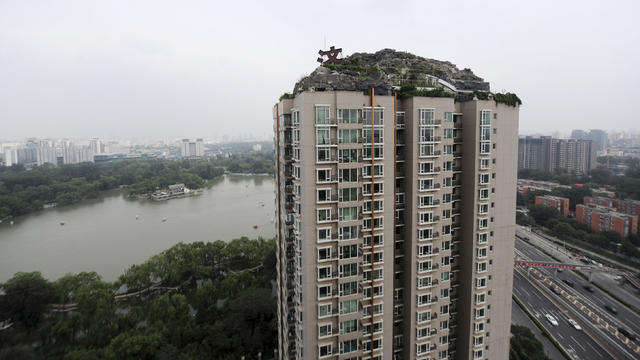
<point x="400" y="120"/>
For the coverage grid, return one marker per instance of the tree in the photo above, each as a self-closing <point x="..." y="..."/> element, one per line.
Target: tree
<point x="27" y="297"/>
<point x="541" y="213"/>
<point x="524" y="345"/>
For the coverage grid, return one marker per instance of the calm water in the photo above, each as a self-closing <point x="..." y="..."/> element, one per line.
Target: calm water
<point x="103" y="235"/>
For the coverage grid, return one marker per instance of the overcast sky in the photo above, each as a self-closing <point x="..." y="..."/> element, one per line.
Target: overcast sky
<point x="208" y="68"/>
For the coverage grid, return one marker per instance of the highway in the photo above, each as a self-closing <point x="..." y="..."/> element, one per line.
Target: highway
<point x="585" y="307"/>
<point x="579" y="344"/>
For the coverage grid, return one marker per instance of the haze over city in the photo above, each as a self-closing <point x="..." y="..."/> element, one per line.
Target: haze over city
<point x="152" y="69"/>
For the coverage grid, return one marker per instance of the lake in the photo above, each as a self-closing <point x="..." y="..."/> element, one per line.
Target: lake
<point x="103" y="235"/>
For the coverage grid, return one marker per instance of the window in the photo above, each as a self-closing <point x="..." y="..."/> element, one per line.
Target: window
<point x="378" y="152"/>
<point x="377" y="309"/>
<point x="378" y="223"/>
<point x="348" y="326"/>
<point x="323" y="154"/>
<point x="349" y="288"/>
<point x="348" y="116"/>
<point x="425" y="184"/>
<point x="323" y="195"/>
<point x="348" y="233"/>
<point x="324" y="234"/>
<point x="348" y="346"/>
<point x="378" y="170"/>
<point x="348" y="251"/>
<point x="324" y="330"/>
<point x="377" y="291"/>
<point x="485" y="133"/>
<point x="479" y="326"/>
<point x="425" y="234"/>
<point x="377" y="239"/>
<point x="378" y="273"/>
<point x="347" y="175"/>
<point x="446" y="198"/>
<point x="448" y="149"/>
<point x="424" y="282"/>
<point x="323" y="175"/>
<point x="424" y="250"/>
<point x="324" y="253"/>
<point x="324" y="215"/>
<point x="444" y="309"/>
<point x="324" y="291"/>
<point x="444" y="276"/>
<point x="448" y="133"/>
<point x="424" y="266"/>
<point x="425" y="200"/>
<point x="377" y="257"/>
<point x="422" y="348"/>
<point x="481" y="298"/>
<point x="483" y="178"/>
<point x="424" y="299"/>
<point x="423" y="316"/>
<point x="425" y="167"/>
<point x="347" y="270"/>
<point x="448" y="117"/>
<point x="483" y="223"/>
<point x="426" y="134"/>
<point x="483" y="194"/>
<point x="348" y="213"/>
<point x="324" y="272"/>
<point x="378" y="188"/>
<point x="482" y="238"/>
<point x="427" y="116"/>
<point x="324" y="310"/>
<point x="481" y="252"/>
<point x="444" y="324"/>
<point x="484" y="164"/>
<point x="448" y="165"/>
<point x="483" y="208"/>
<point x="347" y="155"/>
<point x="446" y="229"/>
<point x="422" y="333"/>
<point x="481" y="267"/>
<point x="322" y="115"/>
<point x="378" y="135"/>
<point x="378" y="206"/>
<point x="448" y="181"/>
<point x="348" y="136"/>
<point x="446" y="245"/>
<point x="446" y="214"/>
<point x="425" y="217"/>
<point x="444" y="293"/>
<point x="378" y="116"/>
<point x="426" y="150"/>
<point x="323" y="136"/>
<point x="477" y="354"/>
<point x="479" y="313"/>
<point x="348" y="306"/>
<point x="348" y="194"/>
<point x="481" y="283"/>
<point x="324" y="350"/>
<point x="485" y="147"/>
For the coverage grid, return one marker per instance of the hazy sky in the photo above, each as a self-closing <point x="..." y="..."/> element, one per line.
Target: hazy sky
<point x="205" y="68"/>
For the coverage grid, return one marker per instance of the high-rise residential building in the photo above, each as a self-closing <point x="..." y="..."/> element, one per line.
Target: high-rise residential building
<point x="549" y="154"/>
<point x="395" y="215"/>
<point x="192" y="149"/>
<point x="96" y="146"/>
<point x="46" y="153"/>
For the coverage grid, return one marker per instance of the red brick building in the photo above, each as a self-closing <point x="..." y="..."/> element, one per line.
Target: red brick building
<point x="630" y="207"/>
<point x="560" y="203"/>
<point x="600" y="218"/>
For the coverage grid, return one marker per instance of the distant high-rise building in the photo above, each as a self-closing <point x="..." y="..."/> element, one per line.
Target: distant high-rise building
<point x="192" y="149"/>
<point x="46" y="153"/>
<point x="599" y="137"/>
<point x="96" y="146"/>
<point x="380" y="256"/>
<point x="549" y="154"/>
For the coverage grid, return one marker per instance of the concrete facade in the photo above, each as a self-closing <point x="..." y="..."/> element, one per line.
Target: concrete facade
<point x="439" y="256"/>
<point x="550" y="155"/>
<point x="556" y="202"/>
<point x="600" y="218"/>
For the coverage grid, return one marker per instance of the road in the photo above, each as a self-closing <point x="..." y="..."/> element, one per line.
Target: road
<point x="604" y="279"/>
<point x="579" y="302"/>
<point x="579" y="344"/>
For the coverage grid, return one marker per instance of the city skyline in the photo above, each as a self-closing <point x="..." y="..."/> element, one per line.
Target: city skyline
<point x="68" y="71"/>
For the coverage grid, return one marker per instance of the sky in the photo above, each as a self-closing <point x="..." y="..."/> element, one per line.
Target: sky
<point x="212" y="68"/>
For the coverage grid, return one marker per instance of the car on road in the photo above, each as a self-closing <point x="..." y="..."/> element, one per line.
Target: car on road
<point x="574" y="324"/>
<point x="589" y="288"/>
<point x="585" y="261"/>
<point x="551" y="319"/>
<point x="568" y="282"/>
<point x="556" y="290"/>
<point x="631" y="336"/>
<point x="611" y="309"/>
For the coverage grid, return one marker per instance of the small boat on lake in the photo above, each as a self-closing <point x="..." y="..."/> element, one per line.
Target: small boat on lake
<point x="61" y="223"/>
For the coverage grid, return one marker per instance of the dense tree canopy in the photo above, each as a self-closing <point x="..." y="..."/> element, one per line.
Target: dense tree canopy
<point x="194" y="301"/>
<point x="524" y="345"/>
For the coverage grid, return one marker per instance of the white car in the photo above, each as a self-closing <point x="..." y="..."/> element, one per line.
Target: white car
<point x="551" y="319"/>
<point x="574" y="324"/>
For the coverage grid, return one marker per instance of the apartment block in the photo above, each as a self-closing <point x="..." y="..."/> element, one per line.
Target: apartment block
<point x="526" y="185"/>
<point x="600" y="218"/>
<point x="550" y="155"/>
<point x="395" y="224"/>
<point x="630" y="207"/>
<point x="556" y="202"/>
